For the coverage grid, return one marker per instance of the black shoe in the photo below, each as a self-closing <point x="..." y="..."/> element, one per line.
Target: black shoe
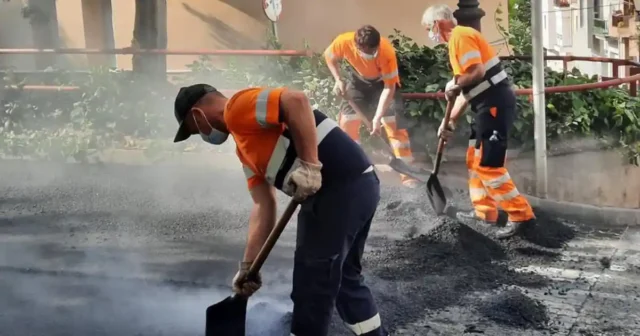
<point x="470" y="218"/>
<point x="513" y="228"/>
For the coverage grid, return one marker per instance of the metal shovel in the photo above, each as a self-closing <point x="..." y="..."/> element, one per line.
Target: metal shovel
<point x="435" y="192"/>
<point x="228" y="317"/>
<point x="396" y="164"/>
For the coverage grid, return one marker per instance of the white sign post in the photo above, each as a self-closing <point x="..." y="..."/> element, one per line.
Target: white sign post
<point x="273" y="9"/>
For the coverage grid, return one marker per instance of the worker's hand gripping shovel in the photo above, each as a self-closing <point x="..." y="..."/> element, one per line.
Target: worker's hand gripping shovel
<point x="435" y="192"/>
<point x="228" y="317"/>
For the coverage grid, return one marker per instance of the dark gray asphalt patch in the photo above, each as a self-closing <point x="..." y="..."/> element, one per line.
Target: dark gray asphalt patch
<point x="515" y="309"/>
<point x="439" y="269"/>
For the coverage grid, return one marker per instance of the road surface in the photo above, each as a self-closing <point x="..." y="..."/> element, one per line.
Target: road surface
<point x="142" y="250"/>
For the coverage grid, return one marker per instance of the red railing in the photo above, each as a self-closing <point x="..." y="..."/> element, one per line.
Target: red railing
<point x="632" y="80"/>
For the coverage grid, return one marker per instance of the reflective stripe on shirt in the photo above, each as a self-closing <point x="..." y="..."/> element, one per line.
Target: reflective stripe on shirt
<point x="494" y="74"/>
<point x="282" y="153"/>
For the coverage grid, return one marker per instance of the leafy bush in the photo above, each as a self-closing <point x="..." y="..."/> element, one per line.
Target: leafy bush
<point x="114" y="107"/>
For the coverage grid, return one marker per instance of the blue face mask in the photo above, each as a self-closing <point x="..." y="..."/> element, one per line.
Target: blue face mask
<point x="215" y="137"/>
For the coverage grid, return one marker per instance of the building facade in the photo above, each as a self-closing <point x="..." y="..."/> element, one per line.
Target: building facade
<point x="216" y="24"/>
<point x="598" y="28"/>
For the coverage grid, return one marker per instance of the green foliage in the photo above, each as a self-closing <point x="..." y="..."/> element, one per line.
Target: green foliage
<point x="118" y="109"/>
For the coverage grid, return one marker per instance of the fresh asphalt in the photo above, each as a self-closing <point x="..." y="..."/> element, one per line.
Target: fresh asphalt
<point x="143" y="250"/>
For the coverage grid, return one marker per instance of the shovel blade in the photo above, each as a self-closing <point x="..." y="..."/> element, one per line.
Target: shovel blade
<point x="227" y="317"/>
<point x="403" y="168"/>
<point x="436" y="194"/>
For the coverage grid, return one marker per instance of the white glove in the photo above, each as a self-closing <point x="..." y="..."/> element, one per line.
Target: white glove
<point x="452" y="90"/>
<point x="303" y="180"/>
<point x="450" y="85"/>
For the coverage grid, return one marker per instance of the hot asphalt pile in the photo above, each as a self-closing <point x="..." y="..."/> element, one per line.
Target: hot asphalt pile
<point x="443" y="267"/>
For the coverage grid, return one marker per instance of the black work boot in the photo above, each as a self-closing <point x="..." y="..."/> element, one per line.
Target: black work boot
<point x="470" y="218"/>
<point x="513" y="228"/>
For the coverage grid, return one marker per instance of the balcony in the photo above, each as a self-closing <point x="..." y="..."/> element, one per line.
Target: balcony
<point x="622" y="26"/>
<point x="562" y="3"/>
<point x="600" y="27"/>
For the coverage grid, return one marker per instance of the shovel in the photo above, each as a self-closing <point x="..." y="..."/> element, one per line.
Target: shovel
<point x="435" y="192"/>
<point x="227" y="317"/>
<point x="396" y="164"/>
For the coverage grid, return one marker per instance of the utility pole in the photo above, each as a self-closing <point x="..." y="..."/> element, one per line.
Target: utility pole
<point x="539" y="105"/>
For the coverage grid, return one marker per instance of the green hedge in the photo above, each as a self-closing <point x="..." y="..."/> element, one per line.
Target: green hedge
<point x="113" y="108"/>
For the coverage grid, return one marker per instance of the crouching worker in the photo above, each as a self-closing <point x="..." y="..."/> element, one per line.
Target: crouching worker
<point x="373" y="86"/>
<point x="283" y="144"/>
<point x="480" y="81"/>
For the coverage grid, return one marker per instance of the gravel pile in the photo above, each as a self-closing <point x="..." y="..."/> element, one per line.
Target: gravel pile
<point x="515" y="309"/>
<point x="440" y="268"/>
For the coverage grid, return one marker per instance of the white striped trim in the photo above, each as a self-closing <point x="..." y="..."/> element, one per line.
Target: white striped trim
<point x="508" y="196"/>
<point x="261" y="108"/>
<point x="248" y="173"/>
<point x="473" y="174"/>
<point x="485" y="85"/>
<point x="365" y="326"/>
<point x="469" y="56"/>
<point x="472" y="143"/>
<point x="395" y="144"/>
<point x="280" y="151"/>
<point x="477" y="193"/>
<point x="497" y="182"/>
<point x="391" y="75"/>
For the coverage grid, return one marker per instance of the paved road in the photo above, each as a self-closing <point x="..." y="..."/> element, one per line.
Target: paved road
<point x="124" y="250"/>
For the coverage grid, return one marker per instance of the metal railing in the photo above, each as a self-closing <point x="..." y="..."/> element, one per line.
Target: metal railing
<point x="632" y="80"/>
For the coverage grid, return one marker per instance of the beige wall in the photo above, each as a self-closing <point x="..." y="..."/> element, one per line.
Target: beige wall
<point x="233" y="24"/>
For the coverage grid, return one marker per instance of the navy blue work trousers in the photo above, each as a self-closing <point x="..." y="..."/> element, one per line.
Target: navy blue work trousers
<point x="333" y="227"/>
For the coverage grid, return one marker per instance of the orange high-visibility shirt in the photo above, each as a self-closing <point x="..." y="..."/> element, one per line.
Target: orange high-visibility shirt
<point x="252" y="117"/>
<point x="383" y="67"/>
<point x="467" y="47"/>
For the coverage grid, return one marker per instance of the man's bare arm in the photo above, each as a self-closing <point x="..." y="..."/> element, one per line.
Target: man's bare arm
<point x="473" y="75"/>
<point x="386" y="97"/>
<point x="298" y="116"/>
<point x="459" y="107"/>
<point x="262" y="219"/>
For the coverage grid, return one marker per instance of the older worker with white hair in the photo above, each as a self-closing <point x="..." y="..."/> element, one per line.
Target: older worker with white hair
<point x="480" y="81"/>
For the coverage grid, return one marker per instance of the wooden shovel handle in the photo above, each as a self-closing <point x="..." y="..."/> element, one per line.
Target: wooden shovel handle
<point x="272" y="239"/>
<point x="447" y="117"/>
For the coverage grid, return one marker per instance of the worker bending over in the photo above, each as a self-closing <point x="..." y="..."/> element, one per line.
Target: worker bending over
<point x="282" y="144"/>
<point x="480" y="81"/>
<point x="372" y="85"/>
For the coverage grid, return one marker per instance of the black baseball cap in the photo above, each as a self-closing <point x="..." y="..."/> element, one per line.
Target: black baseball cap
<point x="186" y="98"/>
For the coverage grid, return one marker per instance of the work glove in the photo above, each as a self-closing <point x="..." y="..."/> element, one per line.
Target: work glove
<point x="339" y="89"/>
<point x="244" y="286"/>
<point x="303" y="180"/>
<point x="452" y="90"/>
<point x="445" y="132"/>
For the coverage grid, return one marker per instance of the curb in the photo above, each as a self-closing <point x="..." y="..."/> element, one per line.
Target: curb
<point x="584" y="213"/>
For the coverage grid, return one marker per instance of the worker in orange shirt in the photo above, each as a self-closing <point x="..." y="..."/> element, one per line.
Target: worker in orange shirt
<point x="480" y="81"/>
<point x="373" y="86"/>
<point x="282" y="144"/>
